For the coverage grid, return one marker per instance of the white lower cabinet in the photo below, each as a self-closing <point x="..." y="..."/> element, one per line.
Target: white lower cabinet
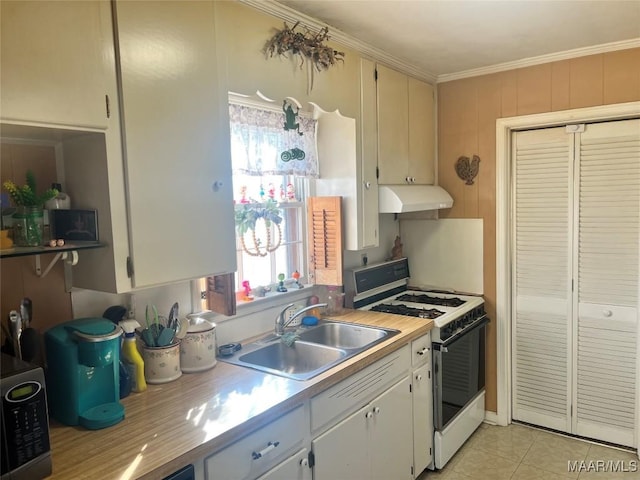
<point x="295" y="467"/>
<point x="375" y="424"/>
<point x="422" y="418"/>
<point x="374" y="442"/>
<point x="422" y="390"/>
<point x="263" y="449"/>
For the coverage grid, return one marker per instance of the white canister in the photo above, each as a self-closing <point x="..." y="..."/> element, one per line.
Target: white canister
<point x="198" y="347"/>
<point x="161" y="364"/>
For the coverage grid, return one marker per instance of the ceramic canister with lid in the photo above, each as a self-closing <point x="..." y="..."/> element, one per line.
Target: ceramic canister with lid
<point x="198" y="347"/>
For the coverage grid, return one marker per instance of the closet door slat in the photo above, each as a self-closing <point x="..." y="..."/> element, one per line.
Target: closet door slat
<point x="542" y="236"/>
<point x="608" y="270"/>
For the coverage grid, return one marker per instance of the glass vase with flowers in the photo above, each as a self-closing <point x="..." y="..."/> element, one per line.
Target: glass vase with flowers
<point x="28" y="219"/>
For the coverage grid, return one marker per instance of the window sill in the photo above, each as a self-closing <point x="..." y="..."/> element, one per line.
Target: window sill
<point x="271" y="299"/>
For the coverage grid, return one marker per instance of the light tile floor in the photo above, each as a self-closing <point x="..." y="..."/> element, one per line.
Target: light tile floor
<point x="519" y="452"/>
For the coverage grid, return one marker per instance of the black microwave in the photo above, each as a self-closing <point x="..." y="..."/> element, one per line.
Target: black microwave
<point x="26" y="450"/>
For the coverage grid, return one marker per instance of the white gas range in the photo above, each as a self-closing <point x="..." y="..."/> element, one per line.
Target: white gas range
<point x="458" y="339"/>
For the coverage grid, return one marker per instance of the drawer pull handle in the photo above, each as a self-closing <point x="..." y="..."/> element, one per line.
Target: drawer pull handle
<point x="607" y="313"/>
<point x="368" y="415"/>
<point x="270" y="446"/>
<point x="376" y="410"/>
<point x="423" y="351"/>
<point x="418" y="377"/>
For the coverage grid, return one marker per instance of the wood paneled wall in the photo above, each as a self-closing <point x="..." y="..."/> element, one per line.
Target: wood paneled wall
<point x="467" y="114"/>
<point x="51" y="304"/>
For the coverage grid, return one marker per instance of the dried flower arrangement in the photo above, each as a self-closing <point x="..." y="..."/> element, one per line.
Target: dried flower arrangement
<point x="306" y="44"/>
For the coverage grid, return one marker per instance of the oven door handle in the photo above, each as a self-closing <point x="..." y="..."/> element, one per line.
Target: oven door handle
<point x="451" y="340"/>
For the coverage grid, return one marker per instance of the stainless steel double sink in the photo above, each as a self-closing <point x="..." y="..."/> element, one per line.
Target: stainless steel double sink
<point x="316" y="349"/>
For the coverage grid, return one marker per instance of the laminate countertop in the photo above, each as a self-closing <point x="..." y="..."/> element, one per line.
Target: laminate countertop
<point x="181" y="422"/>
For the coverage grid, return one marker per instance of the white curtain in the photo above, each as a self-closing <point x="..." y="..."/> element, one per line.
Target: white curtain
<point x="260" y="145"/>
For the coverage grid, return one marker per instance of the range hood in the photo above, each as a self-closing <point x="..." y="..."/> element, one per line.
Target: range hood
<point x="412" y="198"/>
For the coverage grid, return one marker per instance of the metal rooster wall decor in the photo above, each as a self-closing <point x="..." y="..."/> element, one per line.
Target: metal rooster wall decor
<point x="468" y="169"/>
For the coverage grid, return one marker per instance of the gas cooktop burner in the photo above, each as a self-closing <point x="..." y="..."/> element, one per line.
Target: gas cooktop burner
<point x="421" y="298"/>
<point x="408" y="311"/>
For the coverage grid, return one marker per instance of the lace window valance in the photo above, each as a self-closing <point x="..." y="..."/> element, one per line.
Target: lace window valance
<point x="260" y="145"/>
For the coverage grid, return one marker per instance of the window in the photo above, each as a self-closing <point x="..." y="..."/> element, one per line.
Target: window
<point x="257" y="263"/>
<point x="273" y="154"/>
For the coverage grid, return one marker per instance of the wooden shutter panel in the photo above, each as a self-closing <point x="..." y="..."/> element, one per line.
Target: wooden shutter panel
<point x="221" y="297"/>
<point x="324" y="226"/>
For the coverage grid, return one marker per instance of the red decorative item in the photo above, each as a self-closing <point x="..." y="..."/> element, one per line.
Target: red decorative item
<point x="243" y="194"/>
<point x="247" y="291"/>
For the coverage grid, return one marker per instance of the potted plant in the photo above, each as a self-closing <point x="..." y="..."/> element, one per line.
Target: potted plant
<point x="247" y="217"/>
<point x="28" y="220"/>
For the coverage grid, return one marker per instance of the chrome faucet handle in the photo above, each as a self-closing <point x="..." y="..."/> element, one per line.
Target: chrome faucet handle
<point x="280" y="321"/>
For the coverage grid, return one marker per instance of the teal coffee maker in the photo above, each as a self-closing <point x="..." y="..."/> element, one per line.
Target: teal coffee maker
<point x="83" y="381"/>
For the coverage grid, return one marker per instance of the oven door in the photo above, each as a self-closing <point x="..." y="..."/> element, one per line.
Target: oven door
<point x="458" y="365"/>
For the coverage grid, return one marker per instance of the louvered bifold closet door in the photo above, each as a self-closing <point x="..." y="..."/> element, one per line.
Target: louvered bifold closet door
<point x="541" y="305"/>
<point x="607" y="273"/>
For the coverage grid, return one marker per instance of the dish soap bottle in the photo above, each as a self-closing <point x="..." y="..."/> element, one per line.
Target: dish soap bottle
<point x="134" y="363"/>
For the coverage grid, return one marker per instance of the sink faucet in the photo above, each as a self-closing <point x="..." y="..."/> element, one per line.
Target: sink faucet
<point x="281" y="323"/>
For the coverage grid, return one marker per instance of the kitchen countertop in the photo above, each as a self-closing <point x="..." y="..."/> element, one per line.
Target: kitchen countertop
<point x="171" y="425"/>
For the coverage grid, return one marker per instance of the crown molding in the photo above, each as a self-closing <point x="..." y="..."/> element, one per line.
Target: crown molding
<point x="290" y="15"/>
<point x="551" y="57"/>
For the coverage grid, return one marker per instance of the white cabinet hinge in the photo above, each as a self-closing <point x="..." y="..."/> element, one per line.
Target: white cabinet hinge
<point x="107" y="105"/>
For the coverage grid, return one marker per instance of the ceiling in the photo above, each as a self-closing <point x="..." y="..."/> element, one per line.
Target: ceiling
<point x="443" y="38"/>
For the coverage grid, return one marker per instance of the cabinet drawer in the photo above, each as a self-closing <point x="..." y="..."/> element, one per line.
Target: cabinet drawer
<point x="260" y="450"/>
<point x="421" y="350"/>
<point x="355" y="391"/>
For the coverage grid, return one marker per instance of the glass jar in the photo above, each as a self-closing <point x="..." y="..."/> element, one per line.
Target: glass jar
<point x="28" y="226"/>
<point x="335" y="301"/>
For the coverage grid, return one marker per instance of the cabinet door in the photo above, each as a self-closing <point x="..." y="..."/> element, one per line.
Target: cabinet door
<point x="295" y="468"/>
<point x="393" y="127"/>
<point x="390" y="439"/>
<point x="369" y="157"/>
<point x="422" y="418"/>
<point x="342" y="451"/>
<point x="421" y="133"/>
<point x="176" y="136"/>
<point x="57" y="58"/>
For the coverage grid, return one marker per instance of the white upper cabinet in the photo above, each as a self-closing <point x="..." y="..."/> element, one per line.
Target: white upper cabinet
<point x="176" y="142"/>
<point x="406" y="129"/>
<point x="57" y="61"/>
<point x="347" y="156"/>
<point x="422" y="132"/>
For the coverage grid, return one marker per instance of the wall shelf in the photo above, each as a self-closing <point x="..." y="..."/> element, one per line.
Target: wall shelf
<point x="68" y="254"/>
<point x="27" y="251"/>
